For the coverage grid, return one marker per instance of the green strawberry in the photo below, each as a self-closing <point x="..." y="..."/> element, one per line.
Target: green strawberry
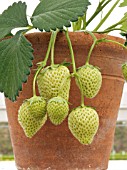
<point x="90" y="79"/>
<point x="32" y="115"/>
<point x="124" y="70"/>
<point x="54" y="81"/>
<point x="83" y="123"/>
<point x="57" y="109"/>
<point x="37" y="106"/>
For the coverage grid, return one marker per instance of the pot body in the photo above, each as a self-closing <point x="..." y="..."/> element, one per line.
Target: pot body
<point x="54" y="147"/>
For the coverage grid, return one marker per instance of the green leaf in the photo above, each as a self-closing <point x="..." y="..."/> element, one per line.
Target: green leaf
<point x="124" y="24"/>
<point x="123" y="4"/>
<point x="53" y="14"/>
<point x="13" y="17"/>
<point x="15" y="59"/>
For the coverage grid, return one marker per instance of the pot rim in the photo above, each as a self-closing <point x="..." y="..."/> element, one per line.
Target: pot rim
<point x="118" y="39"/>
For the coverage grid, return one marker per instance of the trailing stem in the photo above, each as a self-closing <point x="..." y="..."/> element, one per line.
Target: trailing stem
<point x="74" y="66"/>
<point x="96" y="41"/>
<point x="53" y="45"/>
<point x="90" y="52"/>
<point x="81" y="90"/>
<point x="118" y="23"/>
<point x="43" y="64"/>
<point x="71" y="51"/>
<point x="110" y="30"/>
<point x="115" y="42"/>
<point x="92" y="47"/>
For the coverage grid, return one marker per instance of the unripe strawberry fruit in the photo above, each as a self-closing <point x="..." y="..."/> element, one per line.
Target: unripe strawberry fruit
<point x="32" y="115"/>
<point x="124" y="70"/>
<point x="37" y="106"/>
<point x="53" y="82"/>
<point x="57" y="109"/>
<point x="83" y="123"/>
<point x="90" y="79"/>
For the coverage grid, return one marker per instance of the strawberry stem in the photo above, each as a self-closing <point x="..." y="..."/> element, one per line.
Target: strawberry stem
<point x="92" y="47"/>
<point x="53" y="45"/>
<point x="43" y="64"/>
<point x="96" y="41"/>
<point x="115" y="42"/>
<point x="71" y="51"/>
<point x="74" y="66"/>
<point x="118" y="23"/>
<point x="82" y="100"/>
<point x="81" y="90"/>
<point x="109" y="30"/>
<point x="34" y="82"/>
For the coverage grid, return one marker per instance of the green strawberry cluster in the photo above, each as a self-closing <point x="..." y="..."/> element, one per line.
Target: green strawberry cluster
<point x="54" y="85"/>
<point x="83" y="121"/>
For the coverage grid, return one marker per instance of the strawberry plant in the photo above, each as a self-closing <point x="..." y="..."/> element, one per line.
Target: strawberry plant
<point x="54" y="80"/>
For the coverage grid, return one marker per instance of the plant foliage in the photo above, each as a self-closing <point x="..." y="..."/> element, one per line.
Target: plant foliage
<point x="13" y="17"/>
<point x="123" y="4"/>
<point x="50" y="15"/>
<point x="15" y="58"/>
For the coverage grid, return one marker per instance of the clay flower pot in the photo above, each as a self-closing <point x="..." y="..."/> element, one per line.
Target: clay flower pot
<point x="54" y="147"/>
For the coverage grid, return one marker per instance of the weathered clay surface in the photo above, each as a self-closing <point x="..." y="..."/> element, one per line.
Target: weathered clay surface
<point x="54" y="148"/>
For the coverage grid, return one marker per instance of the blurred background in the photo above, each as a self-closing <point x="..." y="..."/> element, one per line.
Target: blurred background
<point x="119" y="150"/>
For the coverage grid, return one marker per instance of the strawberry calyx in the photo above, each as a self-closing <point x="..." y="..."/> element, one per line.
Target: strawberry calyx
<point x="57" y="99"/>
<point x="90" y="66"/>
<point x="83" y="107"/>
<point x="35" y="99"/>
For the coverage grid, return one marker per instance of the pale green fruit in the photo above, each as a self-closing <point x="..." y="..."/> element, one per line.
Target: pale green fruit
<point x="53" y="82"/>
<point x="83" y="123"/>
<point x="37" y="106"/>
<point x="32" y="115"/>
<point x="90" y="79"/>
<point x="57" y="109"/>
<point x="124" y="70"/>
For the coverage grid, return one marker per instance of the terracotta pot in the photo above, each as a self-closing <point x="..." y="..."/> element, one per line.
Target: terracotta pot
<point x="54" y="147"/>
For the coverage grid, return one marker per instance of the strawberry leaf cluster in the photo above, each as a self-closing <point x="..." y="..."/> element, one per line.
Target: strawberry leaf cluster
<point x="16" y="53"/>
